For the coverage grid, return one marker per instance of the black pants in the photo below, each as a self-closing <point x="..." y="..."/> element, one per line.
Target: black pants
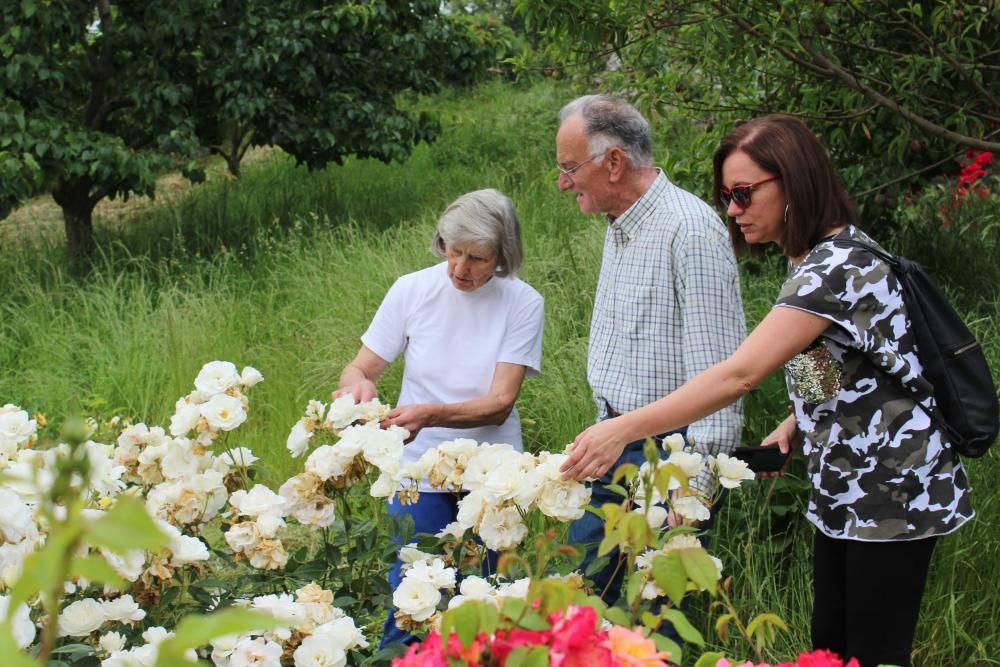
<point x="867" y="597"/>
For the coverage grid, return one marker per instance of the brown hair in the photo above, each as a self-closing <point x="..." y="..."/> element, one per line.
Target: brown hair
<point x="816" y="197"/>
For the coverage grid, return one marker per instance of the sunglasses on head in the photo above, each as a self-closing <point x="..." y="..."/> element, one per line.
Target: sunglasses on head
<point x="741" y="193"/>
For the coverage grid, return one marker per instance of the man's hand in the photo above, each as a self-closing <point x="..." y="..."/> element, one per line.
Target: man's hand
<point x="411" y="417"/>
<point x="362" y="390"/>
<point x="594" y="451"/>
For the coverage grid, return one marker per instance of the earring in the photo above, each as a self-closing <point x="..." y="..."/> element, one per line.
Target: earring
<point x="786" y="214"/>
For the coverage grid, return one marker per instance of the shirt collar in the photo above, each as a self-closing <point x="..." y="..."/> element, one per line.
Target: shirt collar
<point x="627" y="226"/>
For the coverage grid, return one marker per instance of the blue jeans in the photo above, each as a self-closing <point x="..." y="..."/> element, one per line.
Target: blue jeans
<point x="431" y="513"/>
<point x="588" y="531"/>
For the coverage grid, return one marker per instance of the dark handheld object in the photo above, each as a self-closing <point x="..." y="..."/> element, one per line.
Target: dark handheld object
<point x="762" y="459"/>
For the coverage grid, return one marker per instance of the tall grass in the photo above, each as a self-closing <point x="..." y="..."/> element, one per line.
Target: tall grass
<point x="283" y="270"/>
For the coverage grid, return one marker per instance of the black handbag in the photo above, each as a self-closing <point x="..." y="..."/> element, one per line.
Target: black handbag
<point x="953" y="362"/>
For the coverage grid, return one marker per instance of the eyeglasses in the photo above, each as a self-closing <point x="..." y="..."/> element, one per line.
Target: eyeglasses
<point x="741" y="193"/>
<point x="572" y="170"/>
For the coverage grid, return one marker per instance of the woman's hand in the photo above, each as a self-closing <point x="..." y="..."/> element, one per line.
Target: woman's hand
<point x="362" y="390"/>
<point x="786" y="436"/>
<point x="411" y="417"/>
<point x="594" y="451"/>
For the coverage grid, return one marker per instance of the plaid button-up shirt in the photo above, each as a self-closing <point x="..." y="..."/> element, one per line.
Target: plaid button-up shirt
<point x="667" y="307"/>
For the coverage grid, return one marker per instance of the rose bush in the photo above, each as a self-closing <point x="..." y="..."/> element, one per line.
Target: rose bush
<point x="117" y="539"/>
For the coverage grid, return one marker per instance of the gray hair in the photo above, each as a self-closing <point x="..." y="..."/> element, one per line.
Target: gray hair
<point x="611" y="121"/>
<point x="482" y="218"/>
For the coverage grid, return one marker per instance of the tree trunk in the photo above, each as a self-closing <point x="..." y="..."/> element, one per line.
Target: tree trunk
<point x="77" y="208"/>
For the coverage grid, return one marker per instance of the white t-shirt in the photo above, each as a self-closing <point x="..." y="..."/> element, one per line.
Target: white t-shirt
<point x="452" y="341"/>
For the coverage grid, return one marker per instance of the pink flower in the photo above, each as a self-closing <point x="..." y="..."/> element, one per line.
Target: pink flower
<point x="575" y="640"/>
<point x="631" y="649"/>
<point x="505" y="642"/>
<point x="725" y="663"/>
<point x="432" y="653"/>
<point x="820" y="658"/>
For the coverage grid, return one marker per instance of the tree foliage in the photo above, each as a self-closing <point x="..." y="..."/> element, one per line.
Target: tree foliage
<point x="896" y="89"/>
<point x="96" y="97"/>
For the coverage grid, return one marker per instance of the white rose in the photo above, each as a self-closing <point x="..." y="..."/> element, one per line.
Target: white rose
<point x="732" y="471"/>
<point x="223" y="412"/>
<point x="656" y="516"/>
<point x="250" y="376"/>
<point x="260" y="500"/>
<point x="411" y="554"/>
<point x="129" y="566"/>
<point x="470" y="510"/>
<point x="238" y="457"/>
<point x="186" y="416"/>
<point x="185" y="549"/>
<point x="502" y="529"/>
<point x="384" y="487"/>
<point x="328" y="461"/>
<point x="690" y="463"/>
<point x="673" y="442"/>
<point x="80" y="618"/>
<point x="477" y="588"/>
<point x="216" y="377"/>
<point x="416" y="599"/>
<point x="514" y="589"/>
<point x="21" y="627"/>
<point x="123" y="610"/>
<point x="16" y="429"/>
<point x="257" y="652"/>
<point x="342" y="633"/>
<point x="316" y="651"/>
<point x="433" y="572"/>
<point x="690" y="507"/>
<point x="564" y="501"/>
<point x="17" y="521"/>
<point x="343" y="412"/>
<point x="112" y="642"/>
<point x="242" y="537"/>
<point x="268" y="523"/>
<point x="298" y="439"/>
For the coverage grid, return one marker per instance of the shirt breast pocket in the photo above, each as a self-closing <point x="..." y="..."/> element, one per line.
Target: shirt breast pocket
<point x="639" y="310"/>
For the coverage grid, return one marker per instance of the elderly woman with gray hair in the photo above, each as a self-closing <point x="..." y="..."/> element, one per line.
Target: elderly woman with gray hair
<point x="469" y="331"/>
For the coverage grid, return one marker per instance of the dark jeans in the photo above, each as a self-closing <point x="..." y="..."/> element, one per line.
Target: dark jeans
<point x="867" y="597"/>
<point x="588" y="531"/>
<point x="430" y="515"/>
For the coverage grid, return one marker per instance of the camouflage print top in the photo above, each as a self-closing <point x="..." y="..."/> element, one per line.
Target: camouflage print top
<point x="879" y="468"/>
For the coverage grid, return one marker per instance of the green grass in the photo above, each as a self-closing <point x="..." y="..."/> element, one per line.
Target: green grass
<point x="283" y="270"/>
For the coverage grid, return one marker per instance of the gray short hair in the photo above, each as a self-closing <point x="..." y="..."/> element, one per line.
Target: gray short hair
<point x="482" y="218"/>
<point x="611" y="121"/>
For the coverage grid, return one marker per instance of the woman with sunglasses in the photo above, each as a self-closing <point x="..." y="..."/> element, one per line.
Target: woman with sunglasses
<point x="886" y="483"/>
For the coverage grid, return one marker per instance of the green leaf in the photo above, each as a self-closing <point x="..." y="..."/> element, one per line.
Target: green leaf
<point x="197" y="630"/>
<point x="96" y="569"/>
<point x="28" y="8"/>
<point x="683" y="627"/>
<point x="12" y="655"/>
<point x="668" y="572"/>
<point x="765" y="626"/>
<point x="45" y="567"/>
<point x="618" y="616"/>
<point x="709" y="659"/>
<point x="124" y="527"/>
<point x="528" y="656"/>
<point x="699" y="568"/>
<point x="470" y="619"/>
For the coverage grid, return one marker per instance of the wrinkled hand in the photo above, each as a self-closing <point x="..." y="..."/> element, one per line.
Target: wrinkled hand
<point x="411" y="417"/>
<point x="786" y="436"/>
<point x="362" y="391"/>
<point x="594" y="451"/>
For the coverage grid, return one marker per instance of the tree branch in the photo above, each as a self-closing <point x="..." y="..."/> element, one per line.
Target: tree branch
<point x="948" y="58"/>
<point x="851" y="81"/>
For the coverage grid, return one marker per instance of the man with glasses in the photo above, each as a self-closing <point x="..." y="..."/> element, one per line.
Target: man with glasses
<point x="667" y="304"/>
